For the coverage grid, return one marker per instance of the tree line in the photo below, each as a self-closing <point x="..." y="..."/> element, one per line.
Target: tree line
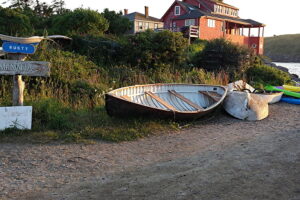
<point x="29" y="17"/>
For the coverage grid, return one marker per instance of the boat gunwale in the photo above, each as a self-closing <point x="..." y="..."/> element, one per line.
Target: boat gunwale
<point x="22" y="40"/>
<point x="172" y="84"/>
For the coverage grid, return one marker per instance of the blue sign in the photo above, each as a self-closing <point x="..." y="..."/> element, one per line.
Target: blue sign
<point x="11" y="47"/>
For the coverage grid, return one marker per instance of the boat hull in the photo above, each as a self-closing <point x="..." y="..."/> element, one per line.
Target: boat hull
<point x="119" y="107"/>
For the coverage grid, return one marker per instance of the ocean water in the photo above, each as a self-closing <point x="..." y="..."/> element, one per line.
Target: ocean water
<point x="294" y="68"/>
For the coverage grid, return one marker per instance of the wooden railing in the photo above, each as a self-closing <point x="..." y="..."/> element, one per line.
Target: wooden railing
<point x="193" y="31"/>
<point x="188" y="31"/>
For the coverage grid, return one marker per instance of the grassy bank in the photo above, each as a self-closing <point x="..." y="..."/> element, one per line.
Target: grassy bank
<point x="69" y="105"/>
<point x="65" y="125"/>
<point x="284" y="48"/>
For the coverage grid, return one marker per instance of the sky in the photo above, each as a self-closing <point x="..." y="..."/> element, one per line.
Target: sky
<point x="281" y="17"/>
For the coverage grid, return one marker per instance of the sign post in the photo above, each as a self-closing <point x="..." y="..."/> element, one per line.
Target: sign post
<point x="17" y="50"/>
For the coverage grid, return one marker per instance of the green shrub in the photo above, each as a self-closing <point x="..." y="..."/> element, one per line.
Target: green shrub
<point x="266" y="75"/>
<point x="117" y="23"/>
<point x="50" y="114"/>
<point x="102" y="50"/>
<point x="221" y="54"/>
<point x="14" y="22"/>
<point x="195" y="49"/>
<point x="80" y="22"/>
<point x="149" y="49"/>
<point x="75" y="81"/>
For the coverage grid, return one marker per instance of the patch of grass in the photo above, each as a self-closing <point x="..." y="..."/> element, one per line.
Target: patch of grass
<point x="283" y="45"/>
<point x="54" y="123"/>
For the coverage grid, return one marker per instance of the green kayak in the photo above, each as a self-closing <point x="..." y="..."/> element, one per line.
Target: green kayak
<point x="288" y="93"/>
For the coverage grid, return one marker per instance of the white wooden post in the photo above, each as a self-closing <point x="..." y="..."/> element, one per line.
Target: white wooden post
<point x="18" y="83"/>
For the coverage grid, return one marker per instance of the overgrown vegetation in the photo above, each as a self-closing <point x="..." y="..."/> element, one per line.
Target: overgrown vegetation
<point x="261" y="75"/>
<point x="69" y="105"/>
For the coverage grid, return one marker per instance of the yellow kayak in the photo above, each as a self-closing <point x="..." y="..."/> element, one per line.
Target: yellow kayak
<point x="291" y="88"/>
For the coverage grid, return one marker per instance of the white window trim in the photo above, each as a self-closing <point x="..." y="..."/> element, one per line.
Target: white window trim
<point x="211" y="23"/>
<point x="140" y="25"/>
<point x="146" y="25"/>
<point x="190" y="22"/>
<point x="176" y="10"/>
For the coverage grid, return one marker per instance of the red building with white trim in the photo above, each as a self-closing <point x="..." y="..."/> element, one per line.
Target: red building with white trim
<point x="211" y="19"/>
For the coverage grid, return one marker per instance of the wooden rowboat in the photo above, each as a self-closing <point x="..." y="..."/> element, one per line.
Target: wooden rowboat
<point x="173" y="101"/>
<point x="31" y="40"/>
<point x="22" y="40"/>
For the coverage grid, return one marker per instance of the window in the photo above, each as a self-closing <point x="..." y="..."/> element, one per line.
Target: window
<point x="155" y="26"/>
<point x="146" y="25"/>
<point x="190" y="22"/>
<point x="211" y="23"/>
<point x="216" y="8"/>
<point x="177" y="10"/>
<point x="174" y="24"/>
<point x="140" y="25"/>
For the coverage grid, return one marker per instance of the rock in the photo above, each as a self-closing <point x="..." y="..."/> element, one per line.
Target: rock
<point x="246" y="106"/>
<point x="266" y="62"/>
<point x="295" y="77"/>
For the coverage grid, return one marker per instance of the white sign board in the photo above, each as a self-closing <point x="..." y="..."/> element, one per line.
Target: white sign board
<point x="19" y="117"/>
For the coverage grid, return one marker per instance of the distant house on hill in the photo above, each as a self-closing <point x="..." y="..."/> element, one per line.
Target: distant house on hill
<point x="210" y="19"/>
<point x="143" y="22"/>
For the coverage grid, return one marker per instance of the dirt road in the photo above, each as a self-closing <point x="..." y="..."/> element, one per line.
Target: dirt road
<point x="223" y="158"/>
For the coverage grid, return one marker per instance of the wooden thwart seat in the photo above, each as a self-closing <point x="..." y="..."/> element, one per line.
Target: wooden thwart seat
<point x="161" y="101"/>
<point x="126" y="97"/>
<point x="212" y="95"/>
<point x="184" y="99"/>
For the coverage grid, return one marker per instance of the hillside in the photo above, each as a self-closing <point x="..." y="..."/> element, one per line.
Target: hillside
<point x="283" y="48"/>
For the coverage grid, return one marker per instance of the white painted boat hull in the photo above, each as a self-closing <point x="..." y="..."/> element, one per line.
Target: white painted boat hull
<point x="272" y="97"/>
<point x="246" y="106"/>
<point x="175" y="101"/>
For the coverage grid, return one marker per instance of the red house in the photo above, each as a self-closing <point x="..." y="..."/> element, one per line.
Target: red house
<point x="210" y="19"/>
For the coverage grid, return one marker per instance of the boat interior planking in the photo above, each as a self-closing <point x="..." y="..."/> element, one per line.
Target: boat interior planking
<point x="177" y="99"/>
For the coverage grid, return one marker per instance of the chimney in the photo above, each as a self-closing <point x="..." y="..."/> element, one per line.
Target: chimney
<point x="146" y="11"/>
<point x="125" y="11"/>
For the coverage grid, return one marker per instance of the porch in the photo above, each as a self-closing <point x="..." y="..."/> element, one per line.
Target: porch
<point x="250" y="35"/>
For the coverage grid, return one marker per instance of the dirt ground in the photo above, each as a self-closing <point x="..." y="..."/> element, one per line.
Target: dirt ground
<point x="220" y="158"/>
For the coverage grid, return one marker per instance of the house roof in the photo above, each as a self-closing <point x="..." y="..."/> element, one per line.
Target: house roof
<point x="195" y="12"/>
<point x="139" y="16"/>
<point x="248" y="22"/>
<point x="191" y="15"/>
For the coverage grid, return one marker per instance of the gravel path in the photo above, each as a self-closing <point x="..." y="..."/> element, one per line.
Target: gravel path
<point x="223" y="158"/>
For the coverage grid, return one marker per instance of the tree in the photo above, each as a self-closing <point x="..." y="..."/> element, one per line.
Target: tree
<point x="13" y="22"/>
<point x="151" y="50"/>
<point x="117" y="23"/>
<point x="81" y="22"/>
<point x="221" y="54"/>
<point x="58" y="6"/>
<point x="22" y="4"/>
